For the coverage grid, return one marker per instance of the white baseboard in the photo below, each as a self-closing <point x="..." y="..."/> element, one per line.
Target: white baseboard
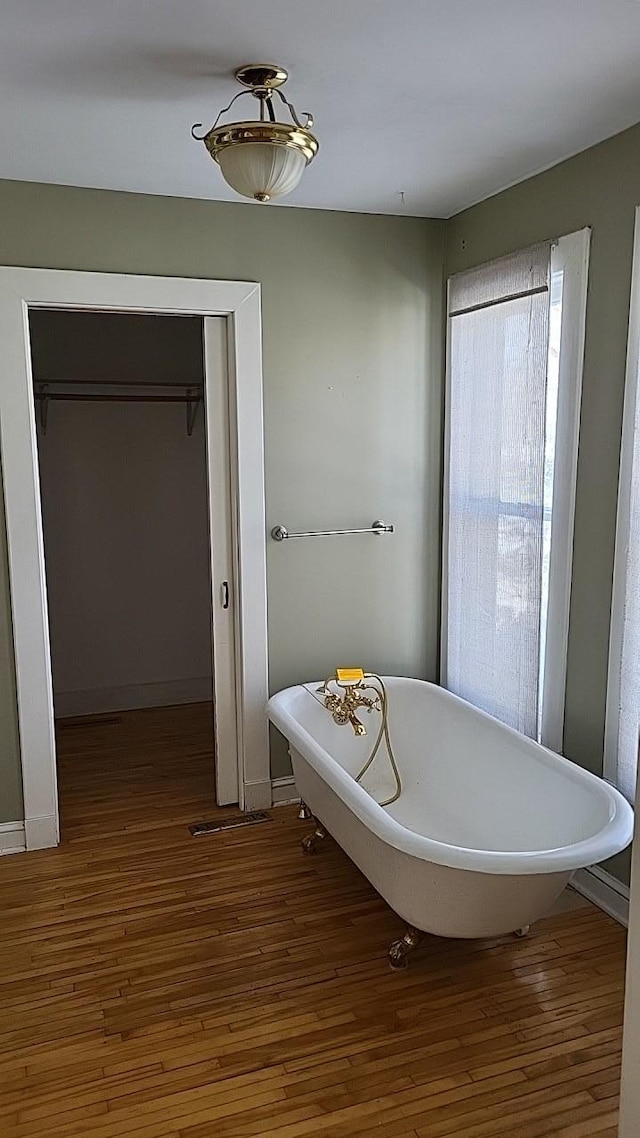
<point x="605" y="891"/>
<point x="283" y="791"/>
<point x="12" y="839"/>
<point x="129" y="697"/>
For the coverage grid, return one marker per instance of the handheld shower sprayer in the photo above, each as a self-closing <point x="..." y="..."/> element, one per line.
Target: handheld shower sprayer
<point x="353" y="683"/>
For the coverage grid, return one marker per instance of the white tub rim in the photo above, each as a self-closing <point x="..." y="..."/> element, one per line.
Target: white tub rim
<point x="613" y="837"/>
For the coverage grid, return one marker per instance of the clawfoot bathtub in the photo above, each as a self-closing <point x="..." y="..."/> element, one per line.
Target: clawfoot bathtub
<point x="489" y="826"/>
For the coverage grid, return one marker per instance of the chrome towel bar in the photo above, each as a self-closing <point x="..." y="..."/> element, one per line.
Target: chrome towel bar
<point x="281" y="533"/>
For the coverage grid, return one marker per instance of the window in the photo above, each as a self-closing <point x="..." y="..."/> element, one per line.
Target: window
<point x="516" y="332"/>
<point x="623" y="695"/>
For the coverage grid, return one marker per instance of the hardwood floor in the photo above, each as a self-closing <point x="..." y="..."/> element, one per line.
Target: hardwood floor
<point x="157" y="985"/>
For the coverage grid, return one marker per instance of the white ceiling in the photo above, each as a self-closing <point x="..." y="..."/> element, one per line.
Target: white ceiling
<point x="442" y="101"/>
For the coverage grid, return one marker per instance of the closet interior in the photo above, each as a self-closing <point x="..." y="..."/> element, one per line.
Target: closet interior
<point x="120" y="416"/>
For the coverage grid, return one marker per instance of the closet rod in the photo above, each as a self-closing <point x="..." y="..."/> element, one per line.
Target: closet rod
<point x="198" y="383"/>
<point x="191" y="399"/>
<point x="98" y="397"/>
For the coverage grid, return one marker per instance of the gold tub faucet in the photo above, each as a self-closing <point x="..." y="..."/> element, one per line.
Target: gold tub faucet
<point x="358" y="727"/>
<point x="353" y="682"/>
<point x="343" y="707"/>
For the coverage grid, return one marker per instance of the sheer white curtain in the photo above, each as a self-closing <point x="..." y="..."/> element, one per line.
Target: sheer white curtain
<point x="626" y="659"/>
<point x="498" y="352"/>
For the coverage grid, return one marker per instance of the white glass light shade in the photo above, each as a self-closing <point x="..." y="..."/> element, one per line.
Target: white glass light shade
<point x="262" y="170"/>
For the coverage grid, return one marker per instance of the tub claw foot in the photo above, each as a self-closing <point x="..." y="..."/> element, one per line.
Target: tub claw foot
<point x="304" y="813"/>
<point x="524" y="931"/>
<point x="402" y="948"/>
<point x="311" y="842"/>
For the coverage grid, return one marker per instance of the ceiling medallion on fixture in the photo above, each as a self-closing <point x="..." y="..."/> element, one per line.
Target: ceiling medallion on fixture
<point x="261" y="159"/>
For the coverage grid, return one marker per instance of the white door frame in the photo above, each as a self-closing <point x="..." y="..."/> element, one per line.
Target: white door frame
<point x="243" y="564"/>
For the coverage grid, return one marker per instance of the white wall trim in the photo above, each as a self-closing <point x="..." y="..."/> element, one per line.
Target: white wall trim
<point x="571" y="255"/>
<point x="605" y="891"/>
<point x="12" y="838"/>
<point x="130" y="697"/>
<point x="630" y="1085"/>
<point x="257" y="795"/>
<point x="239" y="303"/>
<point x="446" y="481"/>
<point x="616" y="635"/>
<point x="42" y="832"/>
<point x="284" y="791"/>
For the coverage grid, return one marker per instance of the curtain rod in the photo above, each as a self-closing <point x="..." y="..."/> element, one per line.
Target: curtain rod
<point x="500" y="300"/>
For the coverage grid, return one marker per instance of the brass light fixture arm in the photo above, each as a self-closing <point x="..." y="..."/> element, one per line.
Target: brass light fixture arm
<point x="198" y="125"/>
<point x="265" y="95"/>
<point x="292" y="111"/>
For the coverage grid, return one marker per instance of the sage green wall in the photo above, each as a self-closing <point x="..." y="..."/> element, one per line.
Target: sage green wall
<point x="352" y="311"/>
<point x="599" y="188"/>
<point x="353" y="349"/>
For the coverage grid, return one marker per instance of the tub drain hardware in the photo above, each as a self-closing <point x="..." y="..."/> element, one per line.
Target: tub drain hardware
<point x="198" y="829"/>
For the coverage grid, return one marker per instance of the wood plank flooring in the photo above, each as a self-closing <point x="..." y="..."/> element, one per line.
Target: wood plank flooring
<point x="156" y="985"/>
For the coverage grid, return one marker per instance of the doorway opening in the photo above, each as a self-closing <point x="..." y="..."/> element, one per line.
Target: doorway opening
<point x="120" y="414"/>
<point x="230" y="315"/>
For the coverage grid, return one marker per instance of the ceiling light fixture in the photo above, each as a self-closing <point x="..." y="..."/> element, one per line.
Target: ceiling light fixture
<point x="261" y="159"/>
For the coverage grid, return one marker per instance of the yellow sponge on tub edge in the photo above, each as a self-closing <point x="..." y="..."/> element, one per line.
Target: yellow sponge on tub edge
<point x="349" y="675"/>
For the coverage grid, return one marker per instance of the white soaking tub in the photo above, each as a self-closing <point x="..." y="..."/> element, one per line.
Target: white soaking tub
<point x="488" y="828"/>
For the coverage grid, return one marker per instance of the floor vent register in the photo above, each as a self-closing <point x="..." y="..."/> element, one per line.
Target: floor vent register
<point x="251" y="819"/>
